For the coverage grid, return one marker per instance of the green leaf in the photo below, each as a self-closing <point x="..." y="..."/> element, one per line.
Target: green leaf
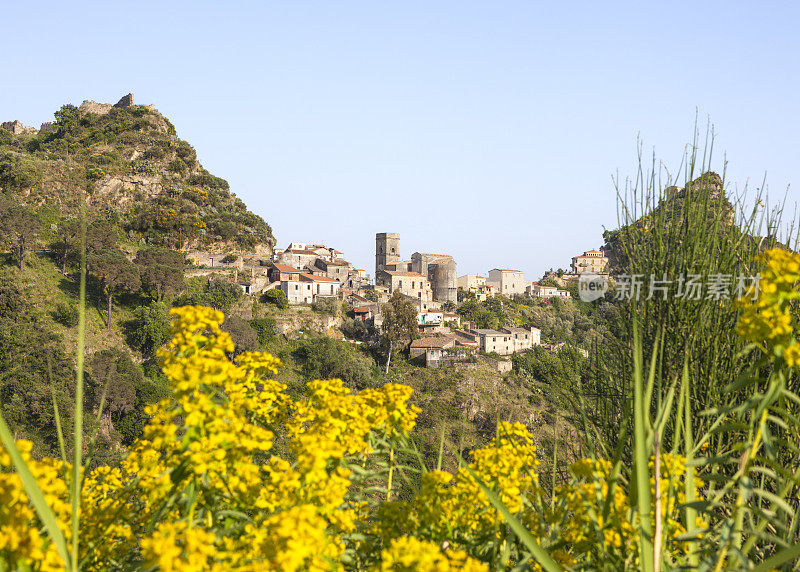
<point x="780" y="558"/>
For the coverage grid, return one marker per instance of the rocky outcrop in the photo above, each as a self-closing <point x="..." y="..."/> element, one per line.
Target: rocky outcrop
<point x="124" y="191"/>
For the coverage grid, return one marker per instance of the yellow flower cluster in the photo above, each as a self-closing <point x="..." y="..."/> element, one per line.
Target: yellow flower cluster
<point x="233" y="474"/>
<point x="206" y="488"/>
<point x="408" y="554"/>
<point x="771" y="321"/>
<point x="595" y="515"/>
<point x="22" y="542"/>
<point x="454" y="509"/>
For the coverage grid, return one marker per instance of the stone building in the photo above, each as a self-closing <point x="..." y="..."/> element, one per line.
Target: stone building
<point x="441" y="272"/>
<point x="508" y="282"/>
<point x="337" y="269"/>
<point x="524" y="338"/>
<point x="306" y="288"/>
<point x="592" y="261"/>
<point x="471" y="282"/>
<point x="387" y="250"/>
<point x="499" y="342"/>
<point x="438" y="269"/>
<point x="412" y="284"/>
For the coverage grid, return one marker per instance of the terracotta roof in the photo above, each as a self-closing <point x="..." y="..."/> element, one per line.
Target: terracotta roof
<point x="361" y="310"/>
<point x="359" y="296"/>
<point x="337" y="263"/>
<point x="285" y="268"/>
<point x="314" y="278"/>
<point x="403" y="274"/>
<point x="507" y="270"/>
<point x="438" y="342"/>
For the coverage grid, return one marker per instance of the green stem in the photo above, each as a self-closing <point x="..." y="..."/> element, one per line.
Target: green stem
<point x="78" y="426"/>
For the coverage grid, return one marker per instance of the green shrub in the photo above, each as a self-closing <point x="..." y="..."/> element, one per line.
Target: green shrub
<point x="326" y="305"/>
<point x="277" y="297"/>
<point x="327" y="358"/>
<point x="148" y="330"/>
<point x="66" y="315"/>
<point x="264" y="329"/>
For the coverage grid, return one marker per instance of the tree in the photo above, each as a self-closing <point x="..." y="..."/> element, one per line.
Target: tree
<point x="101" y="236"/>
<point x="69" y="236"/>
<point x="217" y="293"/>
<point x="161" y="270"/>
<point x="328" y="358"/>
<point x="264" y="329"/>
<point x="67" y="118"/>
<point x="243" y="335"/>
<point x="116" y="273"/>
<point x="399" y="324"/>
<point x="19" y="227"/>
<point x="115" y="374"/>
<point x="148" y="330"/>
<point x="277" y="297"/>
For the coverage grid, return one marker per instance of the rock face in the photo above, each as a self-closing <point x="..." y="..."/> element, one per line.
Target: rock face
<point x="17" y="128"/>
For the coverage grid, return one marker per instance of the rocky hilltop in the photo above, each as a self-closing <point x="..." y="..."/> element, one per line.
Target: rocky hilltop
<point x="133" y="170"/>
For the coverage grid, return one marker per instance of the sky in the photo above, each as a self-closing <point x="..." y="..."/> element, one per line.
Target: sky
<point x="491" y="131"/>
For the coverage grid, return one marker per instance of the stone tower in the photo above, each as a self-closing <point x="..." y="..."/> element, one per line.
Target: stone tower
<point x="387" y="250"/>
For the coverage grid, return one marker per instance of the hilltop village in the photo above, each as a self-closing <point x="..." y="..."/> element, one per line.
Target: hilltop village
<point x="310" y="273"/>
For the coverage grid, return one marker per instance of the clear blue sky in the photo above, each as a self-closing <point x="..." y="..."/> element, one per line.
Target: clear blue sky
<point x="488" y="130"/>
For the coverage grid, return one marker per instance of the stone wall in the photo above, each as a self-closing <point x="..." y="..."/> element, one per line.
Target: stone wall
<point x="17" y="128"/>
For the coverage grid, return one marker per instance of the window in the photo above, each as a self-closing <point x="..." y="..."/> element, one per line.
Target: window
<point x="399" y="283"/>
<point x="295" y="286"/>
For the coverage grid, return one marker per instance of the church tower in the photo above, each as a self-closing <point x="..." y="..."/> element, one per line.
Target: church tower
<point x="387" y="250"/>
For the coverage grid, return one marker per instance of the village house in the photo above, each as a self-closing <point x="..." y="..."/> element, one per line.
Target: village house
<point x="412" y="284"/>
<point x="362" y="313"/>
<point x="537" y="291"/>
<point x="337" y="269"/>
<point x="279" y="272"/>
<point x="508" y="282"/>
<point x="592" y="261"/>
<point x="524" y="338"/>
<point x="439" y="350"/>
<point x="322" y="286"/>
<point x="306" y="288"/>
<point x="478" y="286"/>
<point x="501" y="343"/>
<point x="471" y="282"/>
<point x="430" y="322"/>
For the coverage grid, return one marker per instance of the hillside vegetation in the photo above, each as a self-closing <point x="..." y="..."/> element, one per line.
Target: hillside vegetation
<point x="136" y="173"/>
